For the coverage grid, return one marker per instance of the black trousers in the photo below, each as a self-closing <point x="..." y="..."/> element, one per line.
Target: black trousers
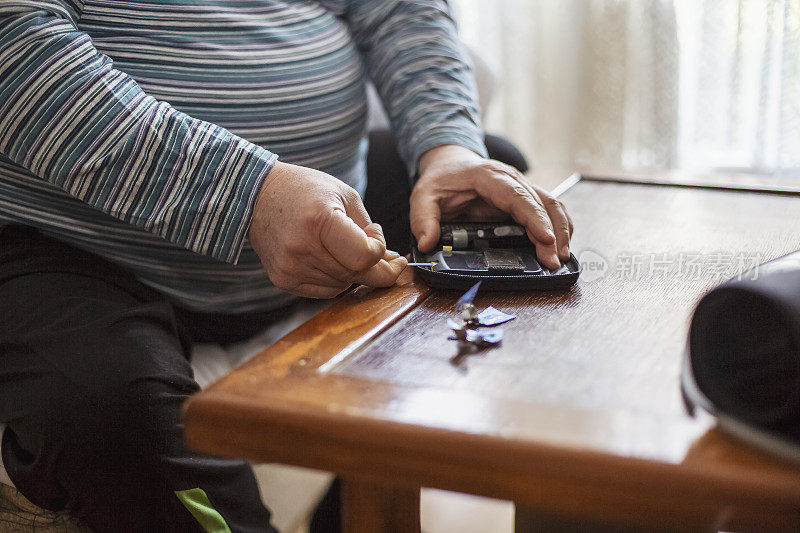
<point x="93" y="372"/>
<point x="94" y="368"/>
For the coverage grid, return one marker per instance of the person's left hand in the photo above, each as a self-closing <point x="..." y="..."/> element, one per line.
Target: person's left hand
<point x="456" y="182"/>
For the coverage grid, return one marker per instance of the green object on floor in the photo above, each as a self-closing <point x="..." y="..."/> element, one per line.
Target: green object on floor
<point x="198" y="504"/>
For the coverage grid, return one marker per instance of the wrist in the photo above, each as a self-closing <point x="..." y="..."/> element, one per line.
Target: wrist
<point x="446" y="152"/>
<point x="278" y="171"/>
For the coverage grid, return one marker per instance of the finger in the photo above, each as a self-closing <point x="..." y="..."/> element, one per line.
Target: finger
<point x="558" y="216"/>
<point x="329" y="266"/>
<point x="289" y="280"/>
<point x="390" y="255"/>
<point x="571" y="226"/>
<point x="375" y="231"/>
<point x="562" y="222"/>
<point x="349" y="244"/>
<point x="384" y="274"/>
<point x="425" y="216"/>
<point x="317" y="276"/>
<point x="547" y="252"/>
<point x="524" y="205"/>
<point x="513" y="197"/>
<point x="354" y="207"/>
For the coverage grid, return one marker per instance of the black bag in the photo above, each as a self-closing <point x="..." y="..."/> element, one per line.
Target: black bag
<point x="743" y="363"/>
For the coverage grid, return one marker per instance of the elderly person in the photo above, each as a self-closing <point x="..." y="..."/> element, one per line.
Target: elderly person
<point x="143" y="205"/>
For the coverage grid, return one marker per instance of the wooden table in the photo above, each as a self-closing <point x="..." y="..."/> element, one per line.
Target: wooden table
<point x="577" y="414"/>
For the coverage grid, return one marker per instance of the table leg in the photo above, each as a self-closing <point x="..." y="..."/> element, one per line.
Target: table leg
<point x="369" y="507"/>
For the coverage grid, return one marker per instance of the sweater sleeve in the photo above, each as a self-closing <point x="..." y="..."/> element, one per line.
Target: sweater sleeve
<point x="68" y="116"/>
<point x="417" y="62"/>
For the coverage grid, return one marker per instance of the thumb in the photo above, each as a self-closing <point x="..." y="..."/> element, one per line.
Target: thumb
<point x="425" y="216"/>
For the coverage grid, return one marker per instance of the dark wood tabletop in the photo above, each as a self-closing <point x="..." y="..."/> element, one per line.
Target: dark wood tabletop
<point x="578" y="412"/>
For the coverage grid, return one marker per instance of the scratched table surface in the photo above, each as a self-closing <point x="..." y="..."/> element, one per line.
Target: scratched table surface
<point x="578" y="411"/>
<point x="616" y="339"/>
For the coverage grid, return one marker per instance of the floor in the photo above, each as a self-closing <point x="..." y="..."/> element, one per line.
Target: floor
<point x="444" y="512"/>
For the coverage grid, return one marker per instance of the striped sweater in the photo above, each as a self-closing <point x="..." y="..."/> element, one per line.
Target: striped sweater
<point x="142" y="130"/>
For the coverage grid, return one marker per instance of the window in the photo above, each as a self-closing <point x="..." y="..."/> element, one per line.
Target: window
<point x="702" y="85"/>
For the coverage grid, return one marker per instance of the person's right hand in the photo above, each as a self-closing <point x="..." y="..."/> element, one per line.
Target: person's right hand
<point x="314" y="236"/>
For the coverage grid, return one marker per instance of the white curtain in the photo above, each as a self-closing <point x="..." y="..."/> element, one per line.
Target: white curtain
<point x="704" y="85"/>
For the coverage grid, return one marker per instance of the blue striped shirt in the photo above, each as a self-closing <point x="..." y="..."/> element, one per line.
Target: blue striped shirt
<point x="142" y="130"/>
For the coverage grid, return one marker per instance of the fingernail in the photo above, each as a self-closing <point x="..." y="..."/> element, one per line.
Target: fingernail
<point x="554" y="260"/>
<point x="565" y="251"/>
